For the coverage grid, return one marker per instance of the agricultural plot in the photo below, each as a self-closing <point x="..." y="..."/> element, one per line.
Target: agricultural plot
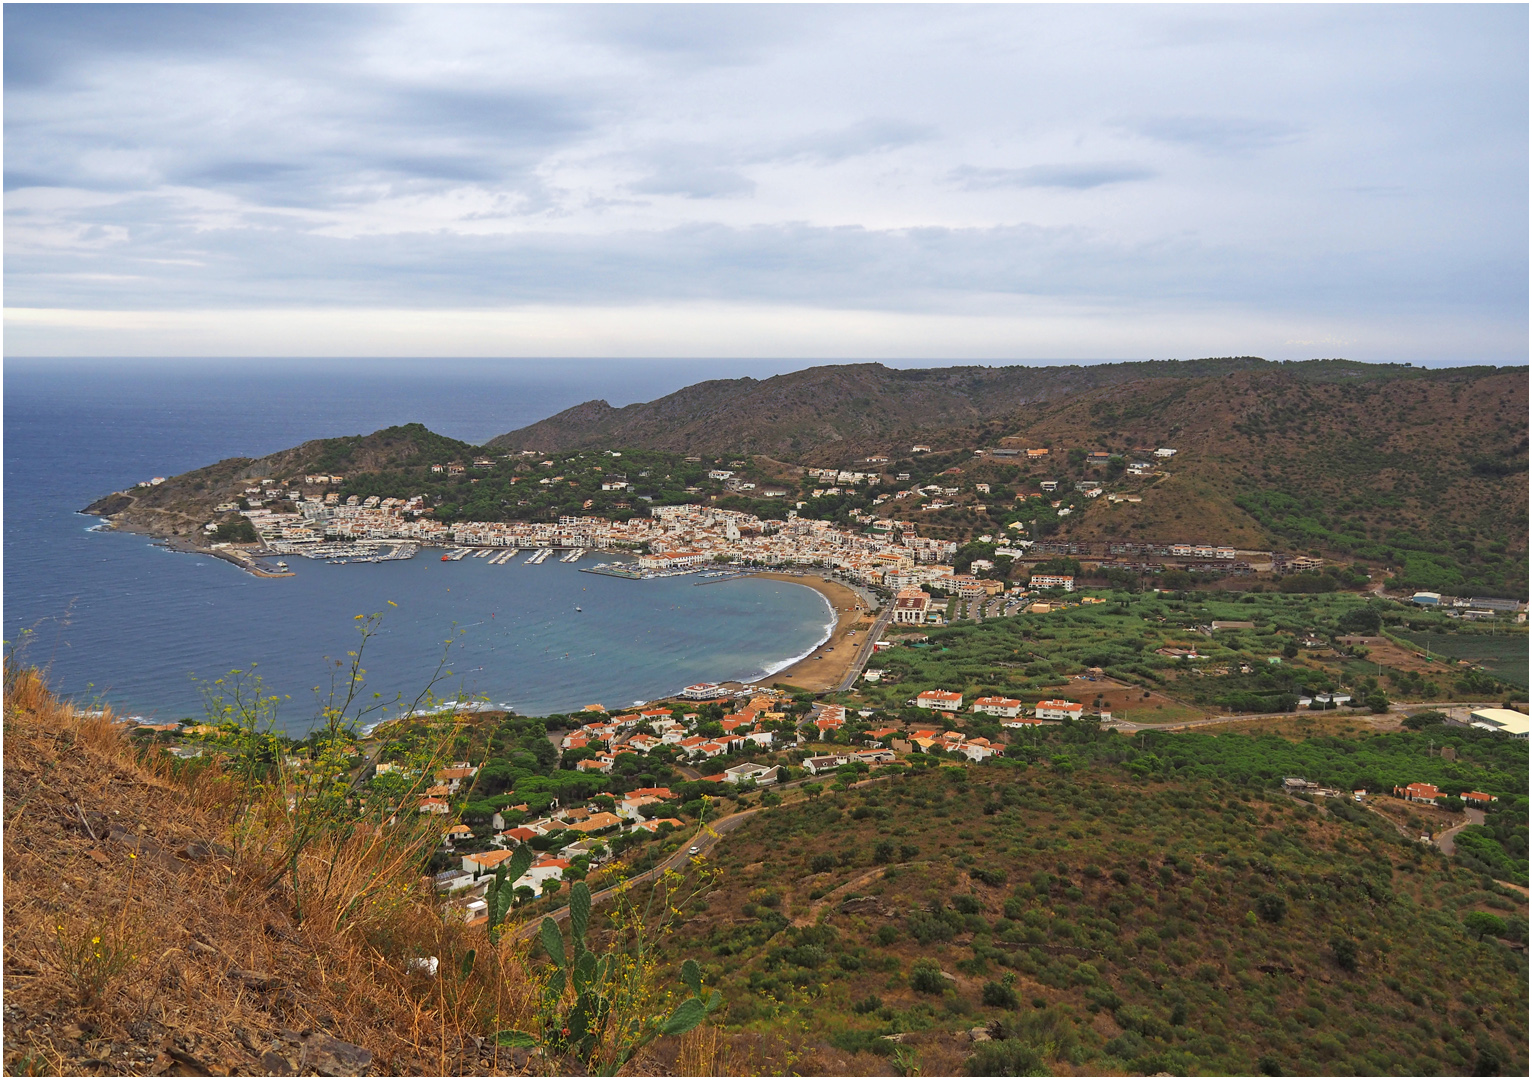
<point x="1502" y="655"/>
<point x="1109" y="655"/>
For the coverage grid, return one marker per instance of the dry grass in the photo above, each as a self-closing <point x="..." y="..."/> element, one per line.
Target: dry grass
<point x="205" y="967"/>
<point x="151" y="926"/>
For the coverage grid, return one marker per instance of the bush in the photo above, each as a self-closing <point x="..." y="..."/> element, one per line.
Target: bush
<point x="870" y="1003"/>
<point x="967" y="903"/>
<point x="887" y="935"/>
<point x="1007" y="1057"/>
<point x="1345" y="951"/>
<point x="926" y="978"/>
<point x="822" y="863"/>
<point x="1271" y="907"/>
<point x="1481" y="924"/>
<point x="1000" y="995"/>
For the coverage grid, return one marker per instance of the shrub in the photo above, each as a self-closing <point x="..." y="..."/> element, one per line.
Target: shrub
<point x="966" y="903"/>
<point x="822" y="863"/>
<point x="1002" y="994"/>
<point x="887" y="935"/>
<point x="926" y="978"/>
<point x="1007" y="1057"/>
<point x="868" y="1004"/>
<point x="1345" y="950"/>
<point x="1271" y="907"/>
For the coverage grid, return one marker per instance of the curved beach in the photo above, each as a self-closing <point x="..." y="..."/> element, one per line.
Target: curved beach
<point x="825" y="665"/>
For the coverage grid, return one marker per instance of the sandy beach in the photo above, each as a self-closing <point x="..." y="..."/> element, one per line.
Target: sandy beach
<point x="812" y="672"/>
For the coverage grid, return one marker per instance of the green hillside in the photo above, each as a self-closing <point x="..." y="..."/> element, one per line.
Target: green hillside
<point x="1096" y="913"/>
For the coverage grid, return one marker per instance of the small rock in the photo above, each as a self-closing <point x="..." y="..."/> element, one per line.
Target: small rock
<point x="204" y="849"/>
<point x="256" y="980"/>
<point x="867" y="905"/>
<point x="978" y="1034"/>
<point x="277" y="1065"/>
<point x="329" y="1056"/>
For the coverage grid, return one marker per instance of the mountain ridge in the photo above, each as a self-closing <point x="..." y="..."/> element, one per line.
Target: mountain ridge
<point x="819" y="413"/>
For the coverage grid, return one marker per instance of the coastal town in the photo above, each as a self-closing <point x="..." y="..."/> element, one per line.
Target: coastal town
<point x="871" y="542"/>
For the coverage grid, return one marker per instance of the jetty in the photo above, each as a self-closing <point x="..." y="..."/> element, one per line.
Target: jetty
<point x="574" y="555"/>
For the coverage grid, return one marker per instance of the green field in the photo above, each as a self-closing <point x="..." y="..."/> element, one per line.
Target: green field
<point x="1502" y="655"/>
<point x="1134" y="639"/>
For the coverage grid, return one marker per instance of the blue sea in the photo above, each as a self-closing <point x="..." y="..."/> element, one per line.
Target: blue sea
<point x="116" y="619"/>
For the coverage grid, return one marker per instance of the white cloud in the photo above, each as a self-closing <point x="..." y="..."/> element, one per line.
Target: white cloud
<point x="1310" y="173"/>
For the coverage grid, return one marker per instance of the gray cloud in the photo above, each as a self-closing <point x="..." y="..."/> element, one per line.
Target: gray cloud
<point x="480" y="156"/>
<point x="701" y="183"/>
<point x="865" y="137"/>
<point x="1215" y="134"/>
<point x="48" y="43"/>
<point x="1079" y="177"/>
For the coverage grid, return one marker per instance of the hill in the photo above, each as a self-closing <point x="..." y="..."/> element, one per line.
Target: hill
<point x="828" y="415"/>
<point x="1426" y="475"/>
<point x="181" y="505"/>
<point x="1085" y="917"/>
<point x="1420" y="474"/>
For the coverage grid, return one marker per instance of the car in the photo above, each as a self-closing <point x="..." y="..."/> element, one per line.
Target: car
<point x="694" y="850"/>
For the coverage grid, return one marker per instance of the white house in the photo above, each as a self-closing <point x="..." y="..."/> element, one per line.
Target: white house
<point x="761" y="774"/>
<point x="1057" y="709"/>
<point x="944" y="700"/>
<point x="998" y="706"/>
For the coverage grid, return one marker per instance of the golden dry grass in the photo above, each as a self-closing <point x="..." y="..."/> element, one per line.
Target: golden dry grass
<point x="140" y="937"/>
<point x="204" y="966"/>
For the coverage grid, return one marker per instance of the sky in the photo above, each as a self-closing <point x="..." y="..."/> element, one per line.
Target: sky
<point x="991" y="183"/>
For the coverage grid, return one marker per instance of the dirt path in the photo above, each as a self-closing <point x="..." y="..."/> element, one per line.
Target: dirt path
<point x="705" y="839"/>
<point x="836" y="894"/>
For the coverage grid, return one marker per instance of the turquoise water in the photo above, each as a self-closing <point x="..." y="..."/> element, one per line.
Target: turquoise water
<point x="119" y="620"/>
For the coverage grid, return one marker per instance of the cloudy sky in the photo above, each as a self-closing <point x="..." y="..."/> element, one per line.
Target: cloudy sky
<point x="1016" y="182"/>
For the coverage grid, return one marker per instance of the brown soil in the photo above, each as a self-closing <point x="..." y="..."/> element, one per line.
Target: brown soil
<point x="1128" y="702"/>
<point x="1306" y="725"/>
<point x="1383" y="651"/>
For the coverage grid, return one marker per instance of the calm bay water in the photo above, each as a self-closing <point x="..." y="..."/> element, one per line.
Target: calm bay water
<point x="121" y="620"/>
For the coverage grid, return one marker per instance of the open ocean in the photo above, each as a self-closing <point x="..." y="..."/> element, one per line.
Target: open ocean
<point x="118" y="620"/>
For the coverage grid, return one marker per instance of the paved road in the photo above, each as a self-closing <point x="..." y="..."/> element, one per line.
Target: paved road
<point x="1446" y="840"/>
<point x="1127" y="726"/>
<point x="864" y="652"/>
